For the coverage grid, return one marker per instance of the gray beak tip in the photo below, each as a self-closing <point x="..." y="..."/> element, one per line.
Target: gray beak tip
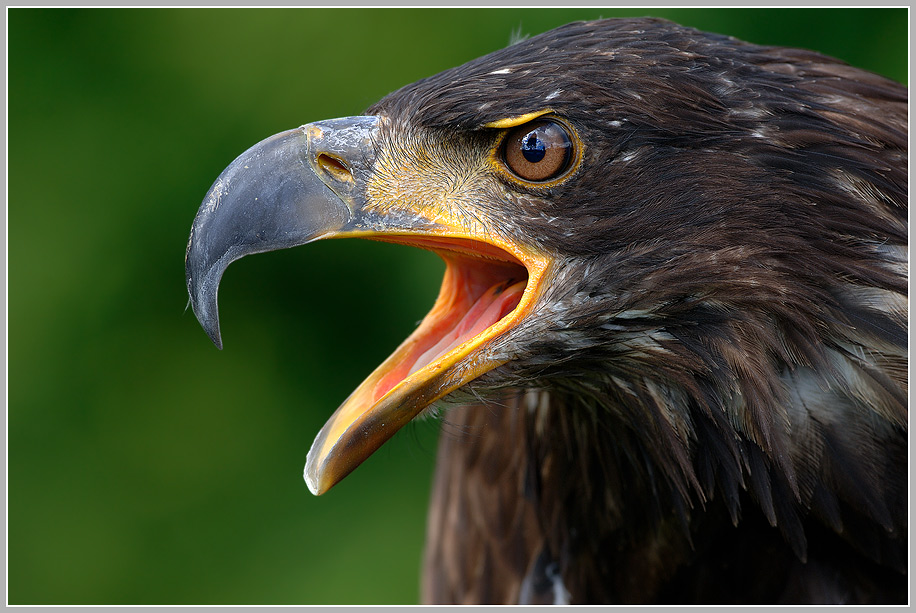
<point x="269" y="198"/>
<point x="203" y="285"/>
<point x="216" y="341"/>
<point x="212" y="330"/>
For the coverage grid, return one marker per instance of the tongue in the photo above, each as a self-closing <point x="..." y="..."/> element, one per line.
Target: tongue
<point x="493" y="305"/>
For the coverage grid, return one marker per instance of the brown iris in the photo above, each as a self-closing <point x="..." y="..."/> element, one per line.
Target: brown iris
<point x="538" y="151"/>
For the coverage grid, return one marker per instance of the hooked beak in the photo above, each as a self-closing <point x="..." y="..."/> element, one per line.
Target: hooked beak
<point x="275" y="195"/>
<point x="311" y="183"/>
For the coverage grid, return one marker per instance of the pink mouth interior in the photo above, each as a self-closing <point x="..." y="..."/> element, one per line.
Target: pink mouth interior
<point x="476" y="293"/>
<point x="493" y="305"/>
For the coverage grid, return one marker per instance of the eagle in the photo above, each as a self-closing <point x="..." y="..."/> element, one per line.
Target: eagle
<point x="671" y="337"/>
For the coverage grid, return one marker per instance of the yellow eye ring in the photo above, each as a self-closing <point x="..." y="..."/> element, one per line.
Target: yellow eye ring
<point x="538" y="151"/>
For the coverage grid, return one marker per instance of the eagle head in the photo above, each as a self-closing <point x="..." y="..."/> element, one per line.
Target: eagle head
<point x="691" y="248"/>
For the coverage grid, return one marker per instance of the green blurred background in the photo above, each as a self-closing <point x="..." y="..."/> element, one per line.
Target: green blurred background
<point x="145" y="466"/>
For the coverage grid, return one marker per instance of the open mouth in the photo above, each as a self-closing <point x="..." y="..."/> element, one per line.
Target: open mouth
<point x="485" y="292"/>
<point x="269" y="198"/>
<point x="481" y="291"/>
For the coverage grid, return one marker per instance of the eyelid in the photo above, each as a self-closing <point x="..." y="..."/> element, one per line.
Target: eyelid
<point x="512" y="122"/>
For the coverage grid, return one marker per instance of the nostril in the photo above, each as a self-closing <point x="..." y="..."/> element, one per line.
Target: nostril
<point x="334" y="167"/>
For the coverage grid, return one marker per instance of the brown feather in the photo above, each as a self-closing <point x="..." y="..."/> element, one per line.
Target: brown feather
<point x="714" y="387"/>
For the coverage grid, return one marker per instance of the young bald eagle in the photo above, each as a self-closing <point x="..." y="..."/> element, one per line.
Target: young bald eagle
<point x="676" y="273"/>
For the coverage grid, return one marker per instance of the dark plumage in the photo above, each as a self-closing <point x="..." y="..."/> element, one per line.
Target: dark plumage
<point x="729" y="338"/>
<point x="707" y="401"/>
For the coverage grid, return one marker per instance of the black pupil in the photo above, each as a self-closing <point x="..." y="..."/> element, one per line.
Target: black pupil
<point x="533" y="148"/>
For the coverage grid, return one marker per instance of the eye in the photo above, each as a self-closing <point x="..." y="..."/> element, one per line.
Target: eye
<point x="538" y="151"/>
